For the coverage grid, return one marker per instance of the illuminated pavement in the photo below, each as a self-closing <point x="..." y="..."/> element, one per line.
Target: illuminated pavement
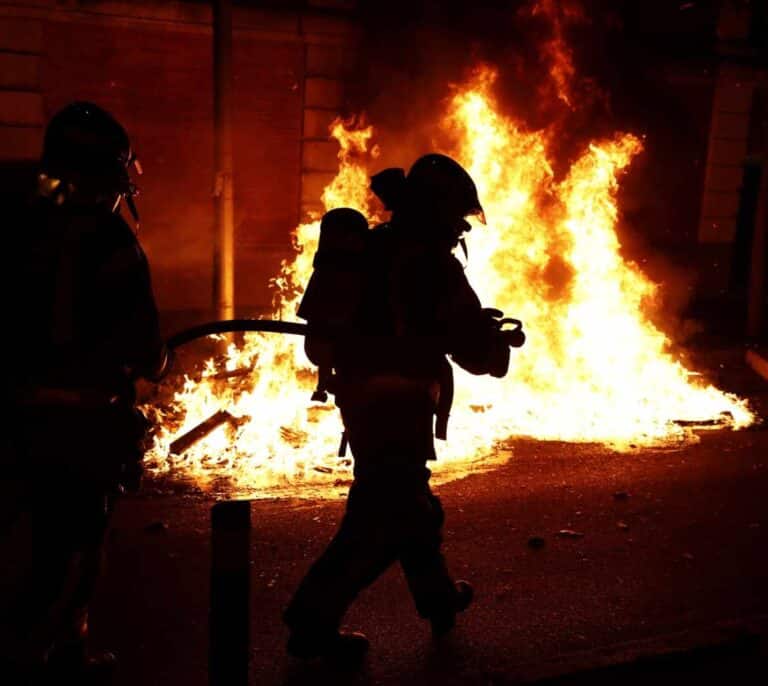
<point x="685" y="550"/>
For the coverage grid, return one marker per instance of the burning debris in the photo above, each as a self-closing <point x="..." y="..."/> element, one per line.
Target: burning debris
<point x="234" y="373"/>
<point x="187" y="440"/>
<point x="596" y="369"/>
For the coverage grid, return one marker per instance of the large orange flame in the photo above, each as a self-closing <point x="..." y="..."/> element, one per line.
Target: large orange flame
<point x="594" y="369"/>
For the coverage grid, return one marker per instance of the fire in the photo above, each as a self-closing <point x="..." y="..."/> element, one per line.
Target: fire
<point x="595" y="368"/>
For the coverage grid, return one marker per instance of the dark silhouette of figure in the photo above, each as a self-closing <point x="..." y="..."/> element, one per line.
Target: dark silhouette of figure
<point x="82" y="324"/>
<point x="384" y="308"/>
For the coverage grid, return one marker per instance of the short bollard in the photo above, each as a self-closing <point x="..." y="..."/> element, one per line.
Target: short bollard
<point x="229" y="618"/>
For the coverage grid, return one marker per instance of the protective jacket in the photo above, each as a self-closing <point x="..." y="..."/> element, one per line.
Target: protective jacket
<point x="417" y="307"/>
<point x="83" y="303"/>
<point x="405" y="305"/>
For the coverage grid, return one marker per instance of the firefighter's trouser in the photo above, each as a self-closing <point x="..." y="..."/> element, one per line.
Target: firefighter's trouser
<point x="391" y="516"/>
<point x="57" y="534"/>
<point x="384" y="523"/>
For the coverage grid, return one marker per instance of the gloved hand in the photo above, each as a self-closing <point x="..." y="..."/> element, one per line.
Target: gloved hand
<point x="155" y="370"/>
<point x="167" y="361"/>
<point x="513" y="337"/>
<point x="495" y="316"/>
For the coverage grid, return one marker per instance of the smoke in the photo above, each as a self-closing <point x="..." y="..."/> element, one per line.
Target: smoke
<point x="411" y="58"/>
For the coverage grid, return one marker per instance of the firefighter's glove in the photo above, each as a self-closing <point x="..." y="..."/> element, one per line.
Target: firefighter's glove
<point x="164" y="365"/>
<point x="511" y="330"/>
<point x="514" y="338"/>
<point x="494" y="317"/>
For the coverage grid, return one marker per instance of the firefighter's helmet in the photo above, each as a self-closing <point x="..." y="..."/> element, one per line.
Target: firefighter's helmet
<point x="86" y="151"/>
<point x="436" y="185"/>
<point x="441" y="182"/>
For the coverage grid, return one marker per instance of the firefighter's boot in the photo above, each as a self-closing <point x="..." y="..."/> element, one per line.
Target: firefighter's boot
<point x="444" y="620"/>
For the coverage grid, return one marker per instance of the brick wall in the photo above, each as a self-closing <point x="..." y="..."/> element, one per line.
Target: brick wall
<point x="21" y="104"/>
<point x="149" y="63"/>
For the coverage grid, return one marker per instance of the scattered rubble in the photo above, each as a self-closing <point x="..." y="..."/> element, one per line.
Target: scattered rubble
<point x="570" y="533"/>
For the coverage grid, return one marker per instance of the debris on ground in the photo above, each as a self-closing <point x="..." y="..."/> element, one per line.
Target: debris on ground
<point x="723" y="419"/>
<point x="570" y="533"/>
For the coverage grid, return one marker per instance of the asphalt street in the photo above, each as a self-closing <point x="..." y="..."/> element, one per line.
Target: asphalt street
<point x="667" y="545"/>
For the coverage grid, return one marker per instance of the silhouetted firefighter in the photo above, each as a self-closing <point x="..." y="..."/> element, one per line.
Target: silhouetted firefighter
<point x="84" y="326"/>
<point x="384" y="308"/>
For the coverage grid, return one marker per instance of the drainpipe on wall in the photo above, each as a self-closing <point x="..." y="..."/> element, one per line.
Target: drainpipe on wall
<point x="224" y="236"/>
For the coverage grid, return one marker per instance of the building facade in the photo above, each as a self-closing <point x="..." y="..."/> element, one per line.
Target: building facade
<point x="150" y="64"/>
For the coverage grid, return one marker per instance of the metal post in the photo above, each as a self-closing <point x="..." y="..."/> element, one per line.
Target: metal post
<point x="224" y="240"/>
<point x="757" y="294"/>
<point x="230" y="613"/>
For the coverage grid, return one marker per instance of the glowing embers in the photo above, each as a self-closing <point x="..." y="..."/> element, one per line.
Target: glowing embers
<point x="594" y="369"/>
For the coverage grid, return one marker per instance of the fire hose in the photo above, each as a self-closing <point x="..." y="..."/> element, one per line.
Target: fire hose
<point x="279" y="326"/>
<point x="235" y="325"/>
